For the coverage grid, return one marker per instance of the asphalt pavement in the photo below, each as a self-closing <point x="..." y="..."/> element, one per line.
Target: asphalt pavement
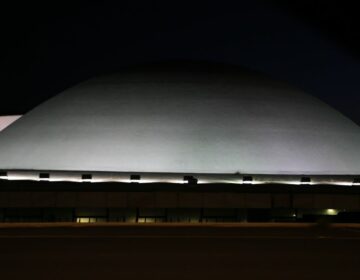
<point x="179" y="251"/>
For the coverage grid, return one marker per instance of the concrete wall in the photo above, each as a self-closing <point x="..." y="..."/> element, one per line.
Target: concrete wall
<point x="178" y="200"/>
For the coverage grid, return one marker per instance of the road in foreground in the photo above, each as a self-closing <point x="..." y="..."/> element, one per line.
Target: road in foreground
<point x="179" y="252"/>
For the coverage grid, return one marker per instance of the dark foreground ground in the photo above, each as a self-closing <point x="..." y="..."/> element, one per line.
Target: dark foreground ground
<point x="255" y="251"/>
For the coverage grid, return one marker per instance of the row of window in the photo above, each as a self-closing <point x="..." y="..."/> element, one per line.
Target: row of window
<point x="172" y="215"/>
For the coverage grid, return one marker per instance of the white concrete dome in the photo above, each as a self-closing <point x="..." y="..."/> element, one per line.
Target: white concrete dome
<point x="189" y="119"/>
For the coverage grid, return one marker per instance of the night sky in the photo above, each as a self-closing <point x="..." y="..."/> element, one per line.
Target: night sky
<point x="313" y="45"/>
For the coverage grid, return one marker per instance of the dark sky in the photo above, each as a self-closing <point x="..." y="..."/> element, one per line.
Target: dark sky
<point x="314" y="45"/>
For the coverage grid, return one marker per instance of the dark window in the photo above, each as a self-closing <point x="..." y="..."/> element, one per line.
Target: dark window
<point x="86" y="176"/>
<point x="247" y="179"/>
<point x="44" y="175"/>
<point x="305" y="180"/>
<point x="3" y="174"/>
<point x="135" y="178"/>
<point x="191" y="180"/>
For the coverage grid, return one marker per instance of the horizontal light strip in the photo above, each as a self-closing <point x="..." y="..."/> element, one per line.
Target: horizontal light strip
<point x="99" y="177"/>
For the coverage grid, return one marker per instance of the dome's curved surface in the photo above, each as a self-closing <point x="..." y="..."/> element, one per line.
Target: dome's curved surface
<point x="185" y="120"/>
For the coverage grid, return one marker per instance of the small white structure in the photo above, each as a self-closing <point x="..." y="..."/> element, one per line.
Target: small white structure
<point x="5" y="121"/>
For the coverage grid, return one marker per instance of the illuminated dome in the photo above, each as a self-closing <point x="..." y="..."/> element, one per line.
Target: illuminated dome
<point x="186" y="119"/>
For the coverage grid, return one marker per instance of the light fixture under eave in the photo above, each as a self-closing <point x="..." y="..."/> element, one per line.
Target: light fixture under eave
<point x="86" y="177"/>
<point x="356" y="182"/>
<point x="305" y="181"/>
<point x="247" y="180"/>
<point x="135" y="178"/>
<point x="3" y="175"/>
<point x="44" y="176"/>
<point x="191" y="180"/>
